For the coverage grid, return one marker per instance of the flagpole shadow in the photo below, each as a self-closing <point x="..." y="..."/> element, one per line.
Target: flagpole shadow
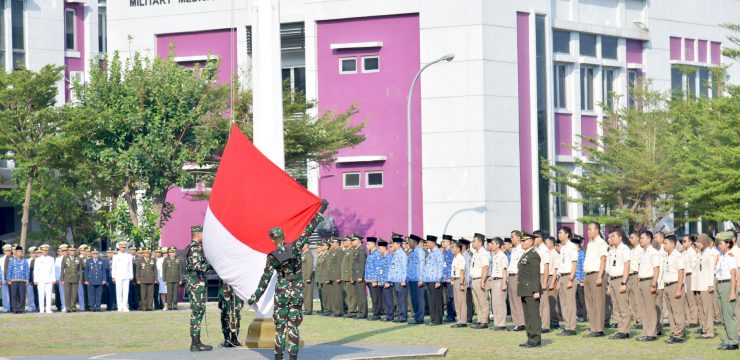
<point x="364" y="335"/>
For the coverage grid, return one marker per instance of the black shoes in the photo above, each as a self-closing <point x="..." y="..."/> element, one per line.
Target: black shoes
<point x="647" y="338"/>
<point x="611" y="326"/>
<point x="728" y="347"/>
<point x="196" y="345"/>
<point x="449" y="320"/>
<point x="498" y="328"/>
<point x="516" y="328"/>
<point x="545" y="331"/>
<point x="594" y="334"/>
<point x="673" y="340"/>
<point x="479" y="326"/>
<point x="457" y="326"/>
<point x="692" y="325"/>
<point x="581" y="319"/>
<point x="530" y="344"/>
<point x="567" y="333"/>
<point x="373" y="318"/>
<point x="637" y="327"/>
<point x="619" y="336"/>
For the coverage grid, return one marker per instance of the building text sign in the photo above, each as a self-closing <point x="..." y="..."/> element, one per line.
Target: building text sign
<point x="140" y="3"/>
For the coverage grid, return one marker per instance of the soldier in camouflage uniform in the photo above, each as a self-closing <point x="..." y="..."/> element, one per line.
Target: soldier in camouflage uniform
<point x="286" y="261"/>
<point x="196" y="266"/>
<point x="231" y="306"/>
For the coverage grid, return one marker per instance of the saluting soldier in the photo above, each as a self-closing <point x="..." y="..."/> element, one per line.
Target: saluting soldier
<point x="335" y="283"/>
<point x="95" y="279"/>
<point x="372" y="265"/>
<point x="321" y="276"/>
<point x="358" y="275"/>
<point x="71" y="275"/>
<point x="529" y="290"/>
<point x="173" y="268"/>
<point x="146" y="277"/>
<point x="308" y="278"/>
<point x="348" y="284"/>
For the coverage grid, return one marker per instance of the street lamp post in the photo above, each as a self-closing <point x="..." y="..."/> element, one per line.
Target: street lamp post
<point x="447" y="58"/>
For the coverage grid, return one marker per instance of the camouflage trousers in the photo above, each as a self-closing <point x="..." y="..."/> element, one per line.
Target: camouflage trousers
<point x="196" y="288"/>
<point x="287" y="315"/>
<point x="231" y="306"/>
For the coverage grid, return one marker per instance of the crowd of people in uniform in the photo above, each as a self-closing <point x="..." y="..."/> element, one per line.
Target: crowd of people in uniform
<point x="638" y="281"/>
<point x="78" y="279"/>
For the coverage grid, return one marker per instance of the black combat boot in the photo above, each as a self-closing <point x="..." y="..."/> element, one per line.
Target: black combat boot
<point x="227" y="342"/>
<point x="293" y="356"/>
<point x="196" y="345"/>
<point x="235" y="340"/>
<point x="278" y="356"/>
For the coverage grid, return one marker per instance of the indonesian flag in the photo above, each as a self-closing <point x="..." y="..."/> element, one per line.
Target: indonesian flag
<point x="250" y="196"/>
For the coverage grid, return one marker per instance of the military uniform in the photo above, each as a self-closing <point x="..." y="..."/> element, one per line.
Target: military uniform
<point x="195" y="282"/>
<point x="231" y="306"/>
<point x="95" y="277"/>
<point x="335" y="284"/>
<point x="110" y="287"/>
<point x="172" y="269"/>
<point x="321" y="279"/>
<point x="308" y="280"/>
<point x="348" y="284"/>
<point x="358" y="276"/>
<point x="528" y="284"/>
<point x="72" y="269"/>
<point x="146" y="276"/>
<point x="286" y="261"/>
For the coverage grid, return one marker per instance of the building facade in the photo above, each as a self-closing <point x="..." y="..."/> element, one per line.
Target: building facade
<point x="528" y="79"/>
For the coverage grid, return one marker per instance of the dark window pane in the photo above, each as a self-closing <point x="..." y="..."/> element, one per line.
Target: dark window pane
<point x="69" y="30"/>
<point x="588" y="45"/>
<point x="587" y="88"/>
<point x="102" y="31"/>
<point x="559" y="95"/>
<point x="19" y="60"/>
<point x="631" y="84"/>
<point x="561" y="41"/>
<point x="375" y="179"/>
<point x="371" y="63"/>
<point x="349" y="65"/>
<point x="286" y="79"/>
<point x="352" y="180"/>
<point x="299" y="79"/>
<point x="691" y="84"/>
<point x="608" y="47"/>
<point x="703" y="82"/>
<point x="676" y="81"/>
<point x="17" y="24"/>
<point x="608" y="88"/>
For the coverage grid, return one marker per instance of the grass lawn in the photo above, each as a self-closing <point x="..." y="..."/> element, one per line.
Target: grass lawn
<point x="105" y="333"/>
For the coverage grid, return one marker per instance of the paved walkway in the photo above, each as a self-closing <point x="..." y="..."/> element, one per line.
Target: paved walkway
<point x="311" y="352"/>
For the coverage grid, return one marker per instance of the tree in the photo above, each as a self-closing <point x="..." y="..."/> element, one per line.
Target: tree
<point x="308" y="139"/>
<point x="29" y="124"/>
<point x="630" y="170"/>
<point x="146" y="119"/>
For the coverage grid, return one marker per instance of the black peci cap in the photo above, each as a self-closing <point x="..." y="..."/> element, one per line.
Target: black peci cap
<point x="446" y="237"/>
<point x="382" y="242"/>
<point x="371" y="239"/>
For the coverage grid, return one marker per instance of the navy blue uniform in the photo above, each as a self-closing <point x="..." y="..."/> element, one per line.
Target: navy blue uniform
<point x="110" y="287"/>
<point x="96" y="273"/>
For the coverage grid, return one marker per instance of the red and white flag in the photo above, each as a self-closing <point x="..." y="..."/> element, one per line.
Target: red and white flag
<point x="250" y="196"/>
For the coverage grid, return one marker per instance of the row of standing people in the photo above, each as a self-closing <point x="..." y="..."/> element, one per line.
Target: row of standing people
<point x="128" y="278"/>
<point x="571" y="278"/>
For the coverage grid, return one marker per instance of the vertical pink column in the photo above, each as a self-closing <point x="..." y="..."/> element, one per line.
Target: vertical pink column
<point x="525" y="119"/>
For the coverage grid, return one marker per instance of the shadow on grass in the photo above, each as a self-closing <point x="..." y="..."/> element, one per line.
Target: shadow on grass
<point x="364" y="335"/>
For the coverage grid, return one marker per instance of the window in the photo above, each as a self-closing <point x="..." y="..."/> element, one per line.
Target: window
<point x="588" y="44"/>
<point x="374" y="179"/>
<point x="102" y="30"/>
<point x="351" y="180"/>
<point x="295" y="79"/>
<point x="561" y="41"/>
<point x="607" y="90"/>
<point x="631" y="86"/>
<point x="561" y="205"/>
<point x="69" y="29"/>
<point x="18" y="37"/>
<point x="348" y="65"/>
<point x="676" y="81"/>
<point x="2" y="35"/>
<point x="370" y="64"/>
<point x="609" y="47"/>
<point x="691" y="84"/>
<point x="587" y="88"/>
<point x="704" y="82"/>
<point x="560" y="86"/>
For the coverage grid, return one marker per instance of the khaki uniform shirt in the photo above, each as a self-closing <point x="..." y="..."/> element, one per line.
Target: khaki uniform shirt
<point x="480" y="259"/>
<point x="648" y="261"/>
<point x="616" y="259"/>
<point x="595" y="250"/>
